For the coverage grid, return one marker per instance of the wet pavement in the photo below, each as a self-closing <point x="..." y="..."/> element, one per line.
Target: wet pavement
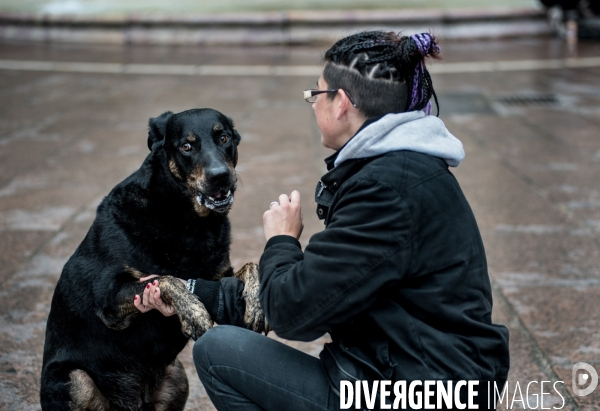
<point x="531" y="174"/>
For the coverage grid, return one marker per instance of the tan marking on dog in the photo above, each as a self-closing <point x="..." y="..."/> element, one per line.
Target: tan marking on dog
<point x="192" y="314"/>
<point x="173" y="391"/>
<point x="134" y="273"/>
<point x="195" y="180"/>
<point x="173" y="169"/>
<point x="194" y="183"/>
<point x="85" y="396"/>
<point x="254" y="317"/>
<point x="191" y="138"/>
<point x="201" y="210"/>
<point x="217" y="128"/>
<point x="231" y="167"/>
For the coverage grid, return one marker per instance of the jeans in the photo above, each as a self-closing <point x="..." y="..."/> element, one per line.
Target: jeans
<point x="244" y="370"/>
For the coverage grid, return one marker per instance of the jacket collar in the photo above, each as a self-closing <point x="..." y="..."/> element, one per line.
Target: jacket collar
<point x="331" y="182"/>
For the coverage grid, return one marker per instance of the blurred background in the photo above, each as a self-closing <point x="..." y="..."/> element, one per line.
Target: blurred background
<point x="518" y="84"/>
<point x="191" y="6"/>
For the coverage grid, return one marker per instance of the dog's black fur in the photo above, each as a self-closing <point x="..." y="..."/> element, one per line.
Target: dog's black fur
<point x="167" y="218"/>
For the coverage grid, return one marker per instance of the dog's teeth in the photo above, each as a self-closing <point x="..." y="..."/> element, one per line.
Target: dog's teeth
<point x="228" y="193"/>
<point x="199" y="200"/>
<point x="211" y="199"/>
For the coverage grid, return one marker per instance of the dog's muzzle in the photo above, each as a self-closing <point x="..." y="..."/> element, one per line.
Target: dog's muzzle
<point x="220" y="202"/>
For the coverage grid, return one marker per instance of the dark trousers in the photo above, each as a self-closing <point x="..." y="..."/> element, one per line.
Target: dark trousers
<point x="243" y="370"/>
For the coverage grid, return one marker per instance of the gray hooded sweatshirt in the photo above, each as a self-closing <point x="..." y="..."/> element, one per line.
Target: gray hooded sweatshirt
<point x="412" y="131"/>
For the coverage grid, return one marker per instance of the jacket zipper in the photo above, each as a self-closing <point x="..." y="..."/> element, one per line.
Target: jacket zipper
<point x="342" y="370"/>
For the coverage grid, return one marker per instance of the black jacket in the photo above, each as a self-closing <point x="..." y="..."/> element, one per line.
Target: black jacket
<point x="398" y="277"/>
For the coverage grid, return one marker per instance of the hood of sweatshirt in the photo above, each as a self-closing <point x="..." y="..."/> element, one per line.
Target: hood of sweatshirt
<point x="412" y="131"/>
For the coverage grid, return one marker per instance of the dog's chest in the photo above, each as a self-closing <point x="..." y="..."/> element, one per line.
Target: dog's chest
<point x="190" y="253"/>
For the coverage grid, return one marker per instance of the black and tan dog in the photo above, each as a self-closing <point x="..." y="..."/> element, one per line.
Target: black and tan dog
<point x="167" y="218"/>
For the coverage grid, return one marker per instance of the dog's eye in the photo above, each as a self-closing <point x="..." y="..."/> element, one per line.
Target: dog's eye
<point x="186" y="147"/>
<point x="224" y="139"/>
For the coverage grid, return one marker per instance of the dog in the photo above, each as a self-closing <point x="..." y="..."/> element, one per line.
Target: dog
<point x="167" y="218"/>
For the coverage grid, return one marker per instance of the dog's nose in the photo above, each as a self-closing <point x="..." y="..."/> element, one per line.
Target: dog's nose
<point x="216" y="174"/>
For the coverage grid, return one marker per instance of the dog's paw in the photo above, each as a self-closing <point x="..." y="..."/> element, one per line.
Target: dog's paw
<point x="195" y="321"/>
<point x="254" y="317"/>
<point x="192" y="314"/>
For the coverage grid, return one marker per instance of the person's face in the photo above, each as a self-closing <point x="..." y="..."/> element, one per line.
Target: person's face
<point x="325" y="115"/>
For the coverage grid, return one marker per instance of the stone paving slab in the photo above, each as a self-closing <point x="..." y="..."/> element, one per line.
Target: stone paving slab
<point x="530" y="175"/>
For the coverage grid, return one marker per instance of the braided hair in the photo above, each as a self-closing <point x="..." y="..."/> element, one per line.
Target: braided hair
<point x="383" y="72"/>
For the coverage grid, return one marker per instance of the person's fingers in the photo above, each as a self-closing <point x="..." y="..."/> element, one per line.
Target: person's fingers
<point x="157" y="299"/>
<point x="152" y="294"/>
<point x="295" y="198"/>
<point x="146" y="295"/>
<point x="148" y="277"/>
<point x="137" y="302"/>
<point x="284" y="200"/>
<point x="167" y="310"/>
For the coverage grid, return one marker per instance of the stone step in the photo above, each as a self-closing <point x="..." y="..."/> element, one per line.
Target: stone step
<point x="261" y="28"/>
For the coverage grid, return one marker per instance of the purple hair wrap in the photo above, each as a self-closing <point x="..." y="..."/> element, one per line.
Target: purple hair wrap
<point x="426" y="45"/>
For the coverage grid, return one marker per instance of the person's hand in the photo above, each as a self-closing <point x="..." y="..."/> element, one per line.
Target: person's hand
<point x="284" y="218"/>
<point x="150" y="299"/>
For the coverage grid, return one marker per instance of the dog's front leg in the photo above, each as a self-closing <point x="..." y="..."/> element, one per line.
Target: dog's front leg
<point x="118" y="311"/>
<point x="254" y="317"/>
<point x="194" y="318"/>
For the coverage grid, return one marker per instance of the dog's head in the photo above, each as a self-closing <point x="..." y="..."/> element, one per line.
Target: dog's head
<point x="200" y="148"/>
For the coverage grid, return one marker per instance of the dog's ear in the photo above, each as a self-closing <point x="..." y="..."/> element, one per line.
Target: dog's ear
<point x="157" y="129"/>
<point x="236" y="137"/>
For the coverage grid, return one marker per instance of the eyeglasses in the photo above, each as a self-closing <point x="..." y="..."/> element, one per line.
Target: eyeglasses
<point x="310" y="96"/>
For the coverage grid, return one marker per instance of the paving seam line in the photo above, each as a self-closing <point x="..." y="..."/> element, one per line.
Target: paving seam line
<point x="542" y="360"/>
<point x="281" y="70"/>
